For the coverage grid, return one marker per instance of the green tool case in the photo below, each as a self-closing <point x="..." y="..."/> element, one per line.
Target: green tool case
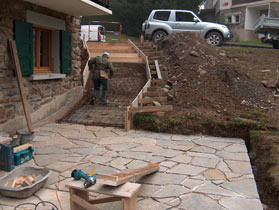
<point x="23" y="156"/>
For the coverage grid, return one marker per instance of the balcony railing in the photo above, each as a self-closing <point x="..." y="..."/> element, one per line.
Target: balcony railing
<point x="104" y="3"/>
<point x="234" y="2"/>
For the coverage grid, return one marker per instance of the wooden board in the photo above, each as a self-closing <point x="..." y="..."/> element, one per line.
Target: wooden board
<point x="154" y="93"/>
<point x="158" y="70"/>
<point x="150" y="100"/>
<point x="20" y="84"/>
<point x="147" y="109"/>
<point x="127" y="175"/>
<point x="126" y="190"/>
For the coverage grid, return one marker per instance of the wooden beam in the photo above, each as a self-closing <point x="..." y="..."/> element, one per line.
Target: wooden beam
<point x="126" y="190"/>
<point x="105" y="200"/>
<point x="74" y="203"/>
<point x="82" y="203"/>
<point x="20" y="83"/>
<point x="150" y="100"/>
<point x="154" y="93"/>
<point x="148" y="109"/>
<point x="127" y="175"/>
<point x="158" y="70"/>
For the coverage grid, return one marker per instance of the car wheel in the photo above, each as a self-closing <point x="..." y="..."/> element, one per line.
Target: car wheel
<point x="215" y="38"/>
<point x="158" y="35"/>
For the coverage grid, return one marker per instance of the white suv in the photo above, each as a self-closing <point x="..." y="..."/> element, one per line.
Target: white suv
<point x="163" y="22"/>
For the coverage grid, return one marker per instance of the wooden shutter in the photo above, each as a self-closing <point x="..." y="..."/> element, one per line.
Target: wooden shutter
<point x="66" y="52"/>
<point x="23" y="34"/>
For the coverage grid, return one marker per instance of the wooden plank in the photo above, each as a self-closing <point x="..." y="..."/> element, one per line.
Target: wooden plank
<point x="158" y="81"/>
<point x="128" y="120"/>
<point x="22" y="147"/>
<point x="158" y="70"/>
<point x="147" y="109"/>
<point x="82" y="204"/>
<point x="126" y="190"/>
<point x="127" y="175"/>
<point x="130" y="204"/>
<point x="154" y="93"/>
<point x="105" y="200"/>
<point x="20" y="84"/>
<point x="149" y="100"/>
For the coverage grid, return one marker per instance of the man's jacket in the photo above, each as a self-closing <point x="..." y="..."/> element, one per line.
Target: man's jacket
<point x="101" y="63"/>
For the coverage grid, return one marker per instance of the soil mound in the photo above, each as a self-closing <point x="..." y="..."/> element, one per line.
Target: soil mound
<point x="204" y="79"/>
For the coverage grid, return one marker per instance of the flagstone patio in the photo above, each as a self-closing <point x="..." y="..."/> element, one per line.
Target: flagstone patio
<point x="196" y="173"/>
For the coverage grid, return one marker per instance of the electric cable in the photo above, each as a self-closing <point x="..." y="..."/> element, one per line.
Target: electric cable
<point x="54" y="207"/>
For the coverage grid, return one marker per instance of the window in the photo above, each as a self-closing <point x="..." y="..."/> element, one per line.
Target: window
<point x="42" y="54"/>
<point x="233" y="19"/>
<point x="184" y="17"/>
<point x="162" y="15"/>
<point x="43" y="51"/>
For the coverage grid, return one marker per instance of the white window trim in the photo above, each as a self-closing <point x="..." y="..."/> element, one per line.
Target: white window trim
<point x="232" y="15"/>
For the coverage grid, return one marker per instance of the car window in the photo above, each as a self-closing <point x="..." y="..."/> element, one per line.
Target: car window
<point x="162" y="15"/>
<point x="184" y="17"/>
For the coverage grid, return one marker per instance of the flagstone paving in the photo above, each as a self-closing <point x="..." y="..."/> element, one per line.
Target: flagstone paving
<point x="197" y="172"/>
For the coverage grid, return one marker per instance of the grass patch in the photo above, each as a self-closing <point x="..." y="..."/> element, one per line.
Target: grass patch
<point x="251" y="43"/>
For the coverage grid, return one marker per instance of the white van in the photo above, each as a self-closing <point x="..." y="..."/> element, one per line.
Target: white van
<point x="93" y="33"/>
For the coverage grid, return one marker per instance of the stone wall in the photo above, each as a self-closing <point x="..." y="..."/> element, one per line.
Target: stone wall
<point x="39" y="93"/>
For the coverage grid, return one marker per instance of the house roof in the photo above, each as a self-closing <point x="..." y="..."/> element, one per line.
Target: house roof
<point x="73" y="7"/>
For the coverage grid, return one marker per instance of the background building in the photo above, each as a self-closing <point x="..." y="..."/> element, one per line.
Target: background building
<point x="240" y="15"/>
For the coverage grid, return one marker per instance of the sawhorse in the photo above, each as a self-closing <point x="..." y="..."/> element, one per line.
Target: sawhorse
<point x="79" y="196"/>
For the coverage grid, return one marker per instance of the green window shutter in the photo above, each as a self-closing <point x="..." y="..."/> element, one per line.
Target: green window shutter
<point x="23" y="34"/>
<point x="66" y="52"/>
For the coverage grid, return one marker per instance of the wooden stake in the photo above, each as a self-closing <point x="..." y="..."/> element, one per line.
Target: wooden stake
<point x="20" y="83"/>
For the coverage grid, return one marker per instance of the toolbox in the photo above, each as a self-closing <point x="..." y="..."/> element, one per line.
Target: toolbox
<point x="6" y="157"/>
<point x="23" y="156"/>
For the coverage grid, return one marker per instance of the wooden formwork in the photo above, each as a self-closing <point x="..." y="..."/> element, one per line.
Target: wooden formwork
<point x="139" y="101"/>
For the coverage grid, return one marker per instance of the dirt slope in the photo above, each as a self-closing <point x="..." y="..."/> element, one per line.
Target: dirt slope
<point x="205" y="81"/>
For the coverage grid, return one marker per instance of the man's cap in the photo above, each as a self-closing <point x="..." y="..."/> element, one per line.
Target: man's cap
<point x="106" y="54"/>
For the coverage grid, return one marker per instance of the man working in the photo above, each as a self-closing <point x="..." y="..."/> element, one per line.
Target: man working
<point x="101" y="73"/>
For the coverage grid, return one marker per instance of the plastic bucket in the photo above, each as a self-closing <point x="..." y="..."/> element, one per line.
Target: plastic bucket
<point x="26" y="137"/>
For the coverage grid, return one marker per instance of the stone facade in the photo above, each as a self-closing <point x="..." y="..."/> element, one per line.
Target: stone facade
<point x="239" y="31"/>
<point x="45" y="97"/>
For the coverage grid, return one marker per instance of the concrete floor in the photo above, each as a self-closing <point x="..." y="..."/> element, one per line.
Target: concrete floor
<point x="196" y="173"/>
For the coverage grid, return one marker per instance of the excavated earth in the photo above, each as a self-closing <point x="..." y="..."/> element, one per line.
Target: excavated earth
<point x="205" y="81"/>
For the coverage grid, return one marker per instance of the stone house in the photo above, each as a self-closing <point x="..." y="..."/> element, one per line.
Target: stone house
<point x="47" y="35"/>
<point x="240" y="15"/>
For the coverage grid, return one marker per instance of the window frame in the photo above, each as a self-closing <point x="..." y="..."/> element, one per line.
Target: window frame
<point x="154" y="16"/>
<point x="37" y="68"/>
<point x="193" y="16"/>
<point x="232" y="17"/>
